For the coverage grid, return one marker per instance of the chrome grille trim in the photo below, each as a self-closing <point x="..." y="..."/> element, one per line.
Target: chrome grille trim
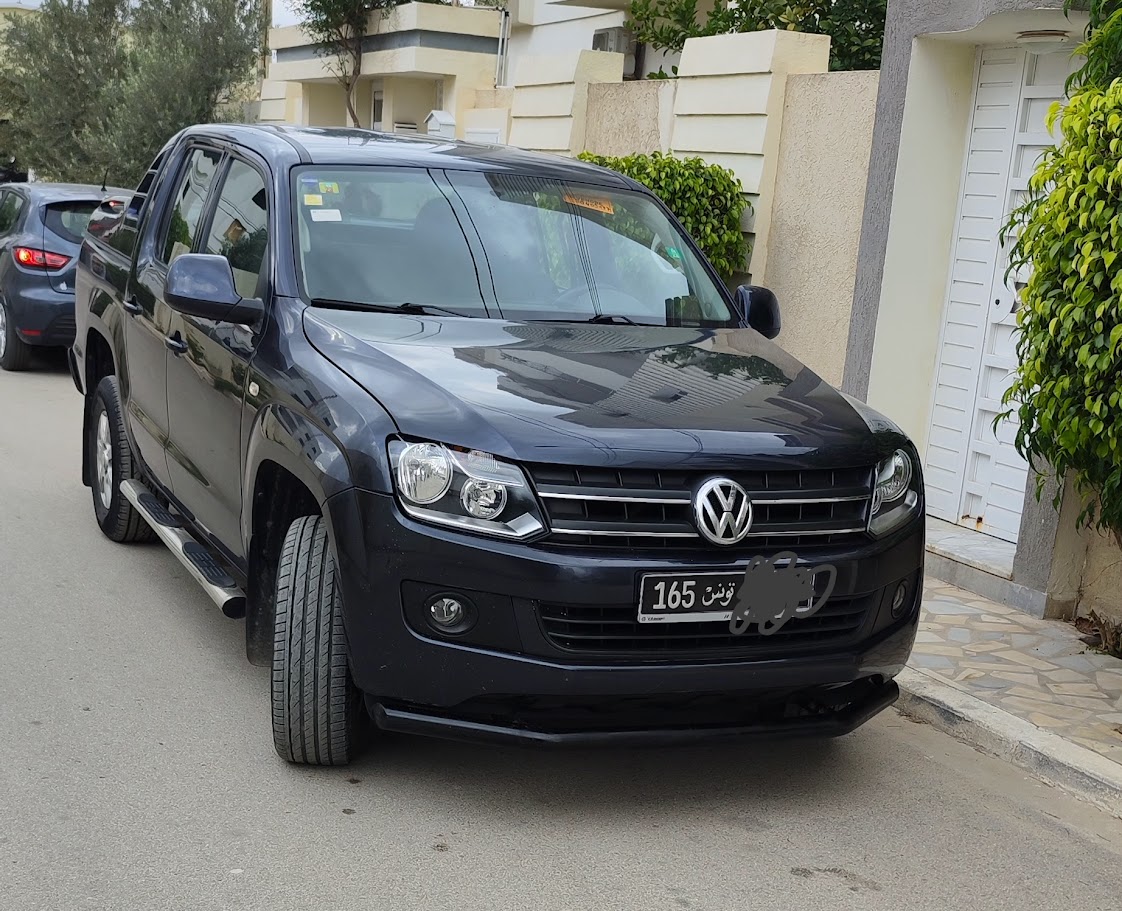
<point x="607" y="507"/>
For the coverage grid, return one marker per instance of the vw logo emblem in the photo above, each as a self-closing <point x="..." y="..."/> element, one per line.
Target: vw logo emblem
<point x="722" y="511"/>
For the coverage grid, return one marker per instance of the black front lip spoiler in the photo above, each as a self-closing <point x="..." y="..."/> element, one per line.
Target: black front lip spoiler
<point x="835" y="725"/>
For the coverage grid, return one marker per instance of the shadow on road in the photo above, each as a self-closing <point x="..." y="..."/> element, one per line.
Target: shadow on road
<point x="48" y="360"/>
<point x="661" y="786"/>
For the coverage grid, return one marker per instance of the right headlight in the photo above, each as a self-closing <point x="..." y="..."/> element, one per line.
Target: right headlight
<point x="895" y="498"/>
<point x="465" y="489"/>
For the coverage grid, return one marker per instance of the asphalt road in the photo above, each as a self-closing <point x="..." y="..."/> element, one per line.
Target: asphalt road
<point x="137" y="772"/>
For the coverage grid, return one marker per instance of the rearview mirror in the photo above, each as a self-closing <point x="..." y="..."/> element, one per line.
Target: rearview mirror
<point x="759" y="309"/>
<point x="202" y="285"/>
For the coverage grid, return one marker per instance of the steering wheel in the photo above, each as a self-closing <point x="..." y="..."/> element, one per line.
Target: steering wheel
<point x="582" y="292"/>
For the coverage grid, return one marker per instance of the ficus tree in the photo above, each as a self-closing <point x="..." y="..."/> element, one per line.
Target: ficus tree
<point x="1067" y="391"/>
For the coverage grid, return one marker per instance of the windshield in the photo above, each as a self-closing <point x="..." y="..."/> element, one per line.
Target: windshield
<point x="480" y="244"/>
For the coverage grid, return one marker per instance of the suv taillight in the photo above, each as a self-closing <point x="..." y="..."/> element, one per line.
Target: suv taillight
<point x="31" y="258"/>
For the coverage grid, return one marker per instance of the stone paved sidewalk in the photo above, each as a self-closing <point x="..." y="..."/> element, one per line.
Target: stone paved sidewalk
<point x="1038" y="670"/>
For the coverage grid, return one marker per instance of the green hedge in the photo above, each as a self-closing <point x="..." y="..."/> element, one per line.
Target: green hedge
<point x="707" y="199"/>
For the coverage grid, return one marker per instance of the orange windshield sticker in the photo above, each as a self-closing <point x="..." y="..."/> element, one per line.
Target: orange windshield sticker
<point x="590" y="202"/>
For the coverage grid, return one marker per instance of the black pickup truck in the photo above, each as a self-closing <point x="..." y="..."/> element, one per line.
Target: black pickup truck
<point x="480" y="447"/>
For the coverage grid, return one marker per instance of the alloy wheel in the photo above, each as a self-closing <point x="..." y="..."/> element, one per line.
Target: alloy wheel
<point x="103" y="456"/>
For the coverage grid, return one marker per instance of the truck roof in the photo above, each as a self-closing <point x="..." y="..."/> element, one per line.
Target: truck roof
<point x="344" y="146"/>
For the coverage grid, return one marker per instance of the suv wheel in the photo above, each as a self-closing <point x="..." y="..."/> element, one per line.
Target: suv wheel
<point x="113" y="463"/>
<point x="316" y="706"/>
<point x="15" y="353"/>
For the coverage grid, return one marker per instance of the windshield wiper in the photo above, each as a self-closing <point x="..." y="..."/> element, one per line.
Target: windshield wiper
<point x="407" y="307"/>
<point x="608" y="319"/>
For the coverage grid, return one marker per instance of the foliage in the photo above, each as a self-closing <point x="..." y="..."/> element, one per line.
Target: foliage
<point x="1067" y="392"/>
<point x="1102" y="47"/>
<point x="856" y="27"/>
<point x="707" y="199"/>
<point x="208" y="57"/>
<point x="93" y="88"/>
<point x="55" y="68"/>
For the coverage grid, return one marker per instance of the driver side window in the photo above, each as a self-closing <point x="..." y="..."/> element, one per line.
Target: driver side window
<point x="189" y="203"/>
<point x="239" y="229"/>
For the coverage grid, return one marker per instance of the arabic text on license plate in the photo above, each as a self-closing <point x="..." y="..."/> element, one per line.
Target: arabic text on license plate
<point x="688" y="597"/>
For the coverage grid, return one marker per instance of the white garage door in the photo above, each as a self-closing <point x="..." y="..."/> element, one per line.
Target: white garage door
<point x="975" y="476"/>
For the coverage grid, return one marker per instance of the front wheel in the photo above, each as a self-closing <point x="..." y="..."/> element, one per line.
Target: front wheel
<point x="317" y="709"/>
<point x="113" y="463"/>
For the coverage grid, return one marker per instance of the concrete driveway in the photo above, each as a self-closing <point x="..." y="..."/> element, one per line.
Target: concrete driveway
<point x="137" y="772"/>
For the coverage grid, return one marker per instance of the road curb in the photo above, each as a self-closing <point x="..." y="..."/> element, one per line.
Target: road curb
<point x="1045" y="755"/>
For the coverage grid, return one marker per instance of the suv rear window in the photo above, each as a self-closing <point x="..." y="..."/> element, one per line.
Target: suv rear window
<point x="69" y="219"/>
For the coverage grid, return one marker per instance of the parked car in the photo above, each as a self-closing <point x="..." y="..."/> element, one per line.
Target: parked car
<point x="494" y="455"/>
<point x="41" y="228"/>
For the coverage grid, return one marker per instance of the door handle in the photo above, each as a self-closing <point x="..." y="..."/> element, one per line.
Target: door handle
<point x="175" y="344"/>
<point x="131" y="306"/>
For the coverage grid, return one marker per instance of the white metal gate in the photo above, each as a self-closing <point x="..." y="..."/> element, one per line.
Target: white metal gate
<point x="975" y="476"/>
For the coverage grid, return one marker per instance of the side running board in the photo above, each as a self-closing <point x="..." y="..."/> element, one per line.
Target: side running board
<point x="199" y="562"/>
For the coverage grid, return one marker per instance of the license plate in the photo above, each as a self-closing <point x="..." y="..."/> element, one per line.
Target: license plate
<point x="688" y="597"/>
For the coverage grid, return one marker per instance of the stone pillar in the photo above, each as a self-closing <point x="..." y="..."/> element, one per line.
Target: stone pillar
<point x="728" y="109"/>
<point x="551" y="97"/>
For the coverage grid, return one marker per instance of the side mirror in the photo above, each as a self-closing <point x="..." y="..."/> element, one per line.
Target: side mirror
<point x="202" y="285"/>
<point x="759" y="309"/>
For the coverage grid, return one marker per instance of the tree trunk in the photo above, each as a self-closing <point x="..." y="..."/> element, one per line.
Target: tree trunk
<point x="350" y="90"/>
<point x="352" y="83"/>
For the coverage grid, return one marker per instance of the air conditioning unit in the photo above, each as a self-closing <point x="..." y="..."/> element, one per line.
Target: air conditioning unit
<point x="619" y="40"/>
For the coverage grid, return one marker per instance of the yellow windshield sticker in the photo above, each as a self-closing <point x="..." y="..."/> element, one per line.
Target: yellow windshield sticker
<point x="313" y="199"/>
<point x="597" y="204"/>
<point x="328" y="186"/>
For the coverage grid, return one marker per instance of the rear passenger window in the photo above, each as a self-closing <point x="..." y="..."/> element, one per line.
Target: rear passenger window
<point x="11" y="205"/>
<point x="69" y="219"/>
<point x="239" y="229"/>
<point x="189" y="202"/>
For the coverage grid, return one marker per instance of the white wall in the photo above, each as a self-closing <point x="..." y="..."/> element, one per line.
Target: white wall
<point x="557" y="30"/>
<point x="917" y="259"/>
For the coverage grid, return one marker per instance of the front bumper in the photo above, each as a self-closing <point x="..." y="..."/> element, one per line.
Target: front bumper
<point x="508" y="680"/>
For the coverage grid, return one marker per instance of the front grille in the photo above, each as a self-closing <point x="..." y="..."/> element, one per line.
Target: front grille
<point x="636" y="509"/>
<point x="614" y="628"/>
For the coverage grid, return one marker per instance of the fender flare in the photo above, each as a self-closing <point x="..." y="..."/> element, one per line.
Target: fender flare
<point x="290" y="439"/>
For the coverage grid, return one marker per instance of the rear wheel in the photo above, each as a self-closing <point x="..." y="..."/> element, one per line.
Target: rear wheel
<point x="317" y="710"/>
<point x="15" y="353"/>
<point x="113" y="463"/>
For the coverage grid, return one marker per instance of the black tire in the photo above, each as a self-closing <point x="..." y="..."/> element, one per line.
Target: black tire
<point x="16" y="352"/>
<point x="317" y="709"/>
<point x="117" y="518"/>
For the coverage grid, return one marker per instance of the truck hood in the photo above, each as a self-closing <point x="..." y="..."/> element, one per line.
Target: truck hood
<point x="596" y="395"/>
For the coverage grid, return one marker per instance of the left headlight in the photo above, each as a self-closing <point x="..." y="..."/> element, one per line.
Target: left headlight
<point x="466" y="489"/>
<point x="895" y="498"/>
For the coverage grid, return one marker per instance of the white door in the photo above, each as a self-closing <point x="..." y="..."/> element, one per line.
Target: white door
<point x="975" y="477"/>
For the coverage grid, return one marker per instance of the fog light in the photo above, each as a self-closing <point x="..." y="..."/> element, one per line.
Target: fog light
<point x="447" y="613"/>
<point x="899" y="598"/>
